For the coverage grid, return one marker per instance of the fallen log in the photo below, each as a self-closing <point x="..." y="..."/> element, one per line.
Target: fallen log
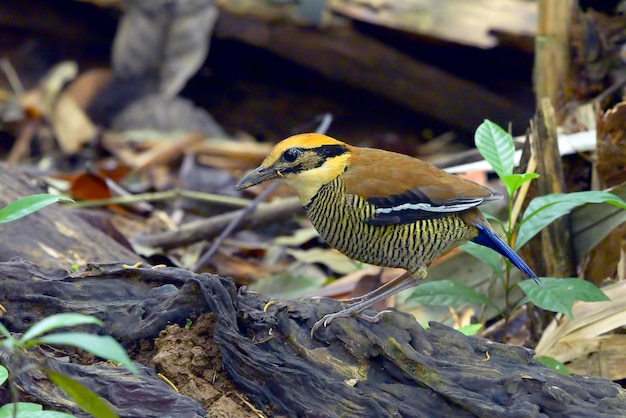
<point x="351" y="368"/>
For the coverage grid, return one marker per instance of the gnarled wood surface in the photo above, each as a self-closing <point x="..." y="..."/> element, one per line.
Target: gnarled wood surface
<point x="352" y="368"/>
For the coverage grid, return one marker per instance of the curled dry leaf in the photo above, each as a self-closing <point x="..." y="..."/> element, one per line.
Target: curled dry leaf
<point x="168" y="37"/>
<point x="70" y="124"/>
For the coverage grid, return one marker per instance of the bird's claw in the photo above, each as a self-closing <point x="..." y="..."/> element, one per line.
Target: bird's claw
<point x="326" y="320"/>
<point x="374" y="319"/>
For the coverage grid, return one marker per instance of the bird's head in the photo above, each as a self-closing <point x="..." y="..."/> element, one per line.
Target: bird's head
<point x="304" y="162"/>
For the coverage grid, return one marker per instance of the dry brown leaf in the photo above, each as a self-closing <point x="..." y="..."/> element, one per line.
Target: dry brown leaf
<point x="169" y="37"/>
<point x="573" y="341"/>
<point x="346" y="284"/>
<point x="87" y="85"/>
<point x="330" y="258"/>
<point x="71" y="125"/>
<point x="167" y="150"/>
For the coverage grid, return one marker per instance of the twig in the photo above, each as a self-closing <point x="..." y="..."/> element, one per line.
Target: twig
<point x="523" y="191"/>
<point x="234" y="224"/>
<point x="167" y="195"/>
<point x="21" y="147"/>
<point x="276" y="210"/>
<point x="12" y="77"/>
<point x="257" y="411"/>
<point x="322" y="128"/>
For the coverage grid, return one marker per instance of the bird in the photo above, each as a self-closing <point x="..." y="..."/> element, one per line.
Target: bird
<point x="382" y="208"/>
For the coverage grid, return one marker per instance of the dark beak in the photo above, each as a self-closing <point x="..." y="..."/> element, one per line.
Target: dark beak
<point x="259" y="175"/>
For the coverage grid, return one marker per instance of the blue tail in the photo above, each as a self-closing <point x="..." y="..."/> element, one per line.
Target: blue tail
<point x="488" y="238"/>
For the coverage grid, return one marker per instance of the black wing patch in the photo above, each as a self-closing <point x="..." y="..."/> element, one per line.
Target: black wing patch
<point x="414" y="205"/>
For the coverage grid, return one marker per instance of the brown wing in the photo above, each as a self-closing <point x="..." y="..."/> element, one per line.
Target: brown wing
<point x="404" y="189"/>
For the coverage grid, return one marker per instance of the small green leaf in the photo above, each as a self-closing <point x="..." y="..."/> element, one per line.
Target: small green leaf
<point x="101" y="345"/>
<point x="446" y="293"/>
<point x="554" y="364"/>
<point x="471" y="329"/>
<point x="4" y="331"/>
<point x="88" y="400"/>
<point x="515" y="181"/>
<point x="59" y="321"/>
<point x="496" y="146"/>
<point x="543" y="210"/>
<point x="558" y="295"/>
<point x="486" y="255"/>
<point x="4" y="374"/>
<point x="27" y="205"/>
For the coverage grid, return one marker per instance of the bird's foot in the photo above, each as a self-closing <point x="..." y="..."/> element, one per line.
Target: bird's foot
<point x="327" y="319"/>
<point x="374" y="319"/>
<point x="346" y="313"/>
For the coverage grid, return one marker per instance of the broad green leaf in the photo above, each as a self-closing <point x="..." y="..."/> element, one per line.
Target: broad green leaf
<point x="6" y="410"/>
<point x="543" y="210"/>
<point x="486" y="255"/>
<point x="102" y="346"/>
<point x="45" y="414"/>
<point x="446" y="293"/>
<point x="4" y="374"/>
<point x="30" y="410"/>
<point x="515" y="181"/>
<point x="471" y="329"/>
<point x="287" y="285"/>
<point x="59" y="321"/>
<point x="558" y="295"/>
<point x="496" y="146"/>
<point x="88" y="400"/>
<point x="27" y="205"/>
<point x="554" y="364"/>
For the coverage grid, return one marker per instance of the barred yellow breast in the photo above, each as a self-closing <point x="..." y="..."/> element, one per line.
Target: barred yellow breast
<point x="342" y="221"/>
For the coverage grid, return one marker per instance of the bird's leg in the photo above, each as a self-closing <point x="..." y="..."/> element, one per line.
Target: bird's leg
<point x="400" y="283"/>
<point x="389" y="284"/>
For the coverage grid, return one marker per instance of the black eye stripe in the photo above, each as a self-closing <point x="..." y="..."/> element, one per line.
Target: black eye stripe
<point x="329" y="151"/>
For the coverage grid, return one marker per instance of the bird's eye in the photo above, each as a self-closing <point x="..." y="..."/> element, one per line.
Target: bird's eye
<point x="291" y="155"/>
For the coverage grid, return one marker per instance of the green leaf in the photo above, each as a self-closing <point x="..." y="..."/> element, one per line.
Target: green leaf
<point x="6" y="410"/>
<point x="4" y="374"/>
<point x="496" y="146"/>
<point x="543" y="210"/>
<point x="27" y="205"/>
<point x="59" y="321"/>
<point x="30" y="410"/>
<point x="101" y="345"/>
<point x="446" y="293"/>
<point x="558" y="295"/>
<point x="486" y="255"/>
<point x="45" y="414"/>
<point x="471" y="329"/>
<point x="515" y="181"/>
<point x="495" y="220"/>
<point x="88" y="400"/>
<point x="554" y="364"/>
<point x="4" y="331"/>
